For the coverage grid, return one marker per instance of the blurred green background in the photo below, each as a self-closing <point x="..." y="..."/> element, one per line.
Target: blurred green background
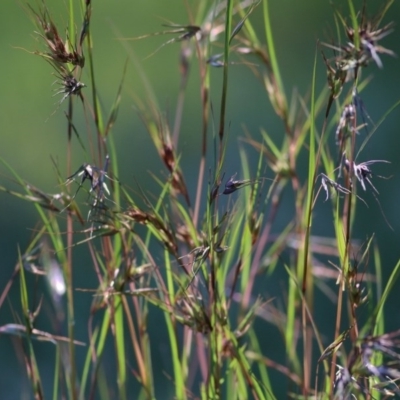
<point x="33" y="128"/>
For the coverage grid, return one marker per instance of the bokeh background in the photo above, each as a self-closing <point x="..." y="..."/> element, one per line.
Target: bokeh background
<point x="33" y="129"/>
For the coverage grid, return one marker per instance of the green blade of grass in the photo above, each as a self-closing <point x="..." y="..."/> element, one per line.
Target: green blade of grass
<point x="57" y="362"/>
<point x="228" y="29"/>
<point x="179" y="379"/>
<point x="355" y="24"/>
<point x="378" y="311"/>
<point x="266" y="382"/>
<point x="271" y="47"/>
<point x="87" y="365"/>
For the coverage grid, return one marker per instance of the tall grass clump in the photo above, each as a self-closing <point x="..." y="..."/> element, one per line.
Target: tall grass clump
<point x="179" y="300"/>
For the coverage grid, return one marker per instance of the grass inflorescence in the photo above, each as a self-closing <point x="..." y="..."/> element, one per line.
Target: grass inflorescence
<point x="197" y="256"/>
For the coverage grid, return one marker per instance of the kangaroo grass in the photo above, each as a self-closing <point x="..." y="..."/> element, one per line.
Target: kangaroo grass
<point x="225" y="279"/>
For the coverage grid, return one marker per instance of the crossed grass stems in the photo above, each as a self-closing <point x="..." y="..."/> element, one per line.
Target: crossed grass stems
<point x="198" y="302"/>
<point x="348" y="66"/>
